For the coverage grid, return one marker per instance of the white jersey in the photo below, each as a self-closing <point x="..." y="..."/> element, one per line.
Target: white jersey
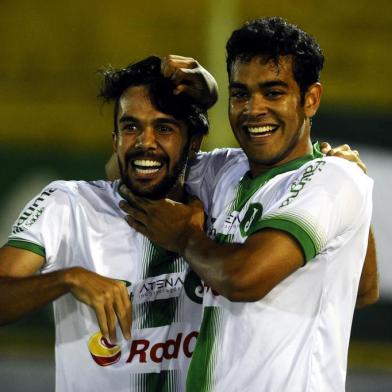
<point x="295" y="339"/>
<point x="77" y="223"/>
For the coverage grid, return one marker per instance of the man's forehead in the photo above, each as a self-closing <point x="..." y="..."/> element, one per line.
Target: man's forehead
<point x="276" y="65"/>
<point x="137" y="99"/>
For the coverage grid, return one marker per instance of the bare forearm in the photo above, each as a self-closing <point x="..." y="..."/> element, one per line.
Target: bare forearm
<point x="21" y="296"/>
<point x="211" y="263"/>
<point x="244" y="272"/>
<point x="368" y="291"/>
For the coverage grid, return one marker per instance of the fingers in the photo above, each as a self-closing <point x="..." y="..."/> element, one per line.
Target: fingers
<point x="339" y="150"/>
<point x="343" y="151"/>
<point x="111" y="322"/>
<point x="325" y="147"/>
<point x="102" y="320"/>
<point x="134" y="201"/>
<point x="139" y="227"/>
<point x="123" y="310"/>
<point x="115" y="306"/>
<point x="171" y="63"/>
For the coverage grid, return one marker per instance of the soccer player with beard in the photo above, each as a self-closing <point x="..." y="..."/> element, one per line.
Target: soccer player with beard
<point x="71" y="245"/>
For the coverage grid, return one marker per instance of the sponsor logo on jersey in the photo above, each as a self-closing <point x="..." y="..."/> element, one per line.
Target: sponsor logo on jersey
<point x="31" y="213"/>
<point x="253" y="214"/>
<point x="103" y="353"/>
<point x="155" y="287"/>
<point x="142" y="350"/>
<point x="298" y="185"/>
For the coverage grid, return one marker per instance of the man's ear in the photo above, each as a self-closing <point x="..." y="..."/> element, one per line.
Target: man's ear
<point x="312" y="99"/>
<point x="194" y="147"/>
<point x="114" y="141"/>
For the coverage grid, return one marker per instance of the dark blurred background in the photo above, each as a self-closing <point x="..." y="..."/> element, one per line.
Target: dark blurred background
<point x="52" y="125"/>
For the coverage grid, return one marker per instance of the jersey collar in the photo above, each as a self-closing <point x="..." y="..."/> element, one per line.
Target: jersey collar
<point x="248" y="185"/>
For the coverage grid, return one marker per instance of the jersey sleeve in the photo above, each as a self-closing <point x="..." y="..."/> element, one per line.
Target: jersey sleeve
<point x="206" y="169"/>
<point x="326" y="199"/>
<point x="41" y="226"/>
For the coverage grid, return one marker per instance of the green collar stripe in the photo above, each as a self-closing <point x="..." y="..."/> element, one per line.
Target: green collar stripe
<point x="248" y="185"/>
<point x="30" y="246"/>
<point x="297" y="231"/>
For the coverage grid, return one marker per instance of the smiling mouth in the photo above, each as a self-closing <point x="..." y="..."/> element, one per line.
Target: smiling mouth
<point x="261" y="131"/>
<point x="146" y="166"/>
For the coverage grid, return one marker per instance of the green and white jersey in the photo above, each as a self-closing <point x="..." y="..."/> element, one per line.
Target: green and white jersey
<point x="76" y="223"/>
<point x="295" y="339"/>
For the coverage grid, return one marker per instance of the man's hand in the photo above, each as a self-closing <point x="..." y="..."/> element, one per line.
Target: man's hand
<point x="151" y="217"/>
<point x="108" y="297"/>
<point x="190" y="78"/>
<point x="343" y="151"/>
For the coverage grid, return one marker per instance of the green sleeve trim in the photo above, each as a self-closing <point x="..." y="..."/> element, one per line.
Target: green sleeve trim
<point x="21" y="244"/>
<point x="298" y="232"/>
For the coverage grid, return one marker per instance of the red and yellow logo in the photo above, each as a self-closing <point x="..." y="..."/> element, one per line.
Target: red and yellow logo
<point x="103" y="353"/>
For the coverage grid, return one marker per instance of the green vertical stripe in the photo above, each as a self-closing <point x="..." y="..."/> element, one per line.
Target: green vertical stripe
<point x="201" y="371"/>
<point x="157" y="313"/>
<point x="158" y="261"/>
<point x="165" y="381"/>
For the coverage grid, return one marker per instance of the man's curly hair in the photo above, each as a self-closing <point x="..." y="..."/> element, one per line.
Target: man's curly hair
<point x="147" y="73"/>
<point x="271" y="38"/>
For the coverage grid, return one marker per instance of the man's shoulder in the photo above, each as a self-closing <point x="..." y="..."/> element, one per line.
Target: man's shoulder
<point x="222" y="155"/>
<point x="69" y="191"/>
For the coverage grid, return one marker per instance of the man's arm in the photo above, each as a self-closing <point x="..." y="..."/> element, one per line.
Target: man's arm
<point x="240" y="272"/>
<point x="368" y="290"/>
<point x="21" y="291"/>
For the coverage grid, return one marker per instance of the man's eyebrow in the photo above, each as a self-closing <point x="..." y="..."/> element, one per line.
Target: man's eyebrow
<point x="236" y="85"/>
<point x="268" y="84"/>
<point x="124" y="119"/>
<point x="165" y="120"/>
<point x="273" y="83"/>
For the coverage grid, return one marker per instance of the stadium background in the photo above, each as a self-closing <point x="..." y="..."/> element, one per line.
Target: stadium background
<point x="52" y="126"/>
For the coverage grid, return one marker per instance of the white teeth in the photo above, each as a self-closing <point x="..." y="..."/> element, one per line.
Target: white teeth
<point x="260" y="130"/>
<point x="146" y="171"/>
<point x="147" y="163"/>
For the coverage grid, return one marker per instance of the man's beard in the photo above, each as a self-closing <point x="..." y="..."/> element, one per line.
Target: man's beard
<point x="161" y="189"/>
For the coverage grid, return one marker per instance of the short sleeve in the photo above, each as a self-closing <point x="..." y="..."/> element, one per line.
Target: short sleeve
<point x="41" y="226"/>
<point x="327" y="198"/>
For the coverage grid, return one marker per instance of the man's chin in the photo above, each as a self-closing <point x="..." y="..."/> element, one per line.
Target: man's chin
<point x="155" y="192"/>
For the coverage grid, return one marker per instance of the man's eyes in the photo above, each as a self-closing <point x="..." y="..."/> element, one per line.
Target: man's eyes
<point x="273" y="94"/>
<point x="164" y="128"/>
<point x="129" y="128"/>
<point x="133" y="128"/>
<point x="270" y="94"/>
<point x="238" y="94"/>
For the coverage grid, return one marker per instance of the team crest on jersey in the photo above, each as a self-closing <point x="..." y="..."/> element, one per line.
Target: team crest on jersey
<point x="31" y="213"/>
<point x="252" y="215"/>
<point x="193" y="287"/>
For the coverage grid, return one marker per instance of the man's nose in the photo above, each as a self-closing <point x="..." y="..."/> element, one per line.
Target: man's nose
<point x="256" y="105"/>
<point x="146" y="139"/>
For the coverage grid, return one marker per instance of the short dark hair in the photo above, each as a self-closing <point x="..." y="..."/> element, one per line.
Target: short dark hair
<point x="147" y="73"/>
<point x="273" y="37"/>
